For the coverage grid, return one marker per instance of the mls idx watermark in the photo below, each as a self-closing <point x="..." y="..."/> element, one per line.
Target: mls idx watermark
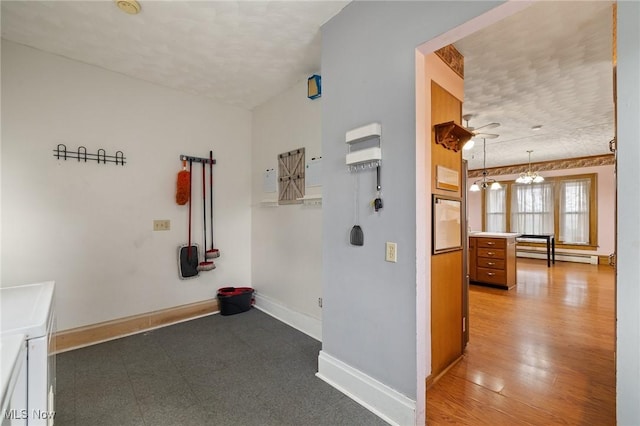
<point x="25" y="414"/>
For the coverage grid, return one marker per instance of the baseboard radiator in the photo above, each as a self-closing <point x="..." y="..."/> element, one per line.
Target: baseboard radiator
<point x="565" y="257"/>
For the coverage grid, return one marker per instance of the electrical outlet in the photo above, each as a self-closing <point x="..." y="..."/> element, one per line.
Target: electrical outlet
<point x="391" y="252"/>
<point x="320" y="302"/>
<point x="162" y="225"/>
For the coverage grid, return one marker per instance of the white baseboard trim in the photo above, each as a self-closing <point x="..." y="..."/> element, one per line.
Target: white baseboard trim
<point x="388" y="404"/>
<point x="302" y="322"/>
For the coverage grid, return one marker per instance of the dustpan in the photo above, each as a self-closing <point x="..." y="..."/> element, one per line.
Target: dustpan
<point x="188" y="262"/>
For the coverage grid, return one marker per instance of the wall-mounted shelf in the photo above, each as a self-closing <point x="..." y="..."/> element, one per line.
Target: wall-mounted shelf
<point x="311" y="200"/>
<point x="373" y="130"/>
<point x="367" y="155"/>
<point x="363" y="155"/>
<point x="452" y="135"/>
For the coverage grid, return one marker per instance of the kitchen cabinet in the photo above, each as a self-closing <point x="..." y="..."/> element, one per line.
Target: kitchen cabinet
<point x="492" y="259"/>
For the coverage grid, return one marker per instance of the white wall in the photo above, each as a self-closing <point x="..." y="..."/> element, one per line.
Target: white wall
<point x="606" y="207"/>
<point x="628" y="250"/>
<point x="286" y="240"/>
<point x="89" y="226"/>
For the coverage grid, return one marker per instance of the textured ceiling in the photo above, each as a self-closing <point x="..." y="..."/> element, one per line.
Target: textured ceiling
<point x="548" y="65"/>
<point x="237" y="52"/>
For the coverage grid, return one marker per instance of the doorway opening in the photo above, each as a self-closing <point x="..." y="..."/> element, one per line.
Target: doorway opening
<point x="423" y="171"/>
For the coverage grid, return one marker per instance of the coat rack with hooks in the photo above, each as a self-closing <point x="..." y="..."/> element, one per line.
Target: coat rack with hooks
<point x="81" y="154"/>
<point x="197" y="159"/>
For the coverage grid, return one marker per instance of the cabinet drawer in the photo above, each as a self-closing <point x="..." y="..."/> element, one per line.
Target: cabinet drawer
<point x="492" y="242"/>
<point x="484" y="262"/>
<point x="491" y="253"/>
<point x="494" y="276"/>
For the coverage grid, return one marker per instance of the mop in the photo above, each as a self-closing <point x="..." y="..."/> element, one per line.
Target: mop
<point x="188" y="255"/>
<point x="205" y="265"/>
<point x="212" y="253"/>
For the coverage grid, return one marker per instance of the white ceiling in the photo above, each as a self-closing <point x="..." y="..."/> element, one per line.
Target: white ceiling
<point x="238" y="52"/>
<point x="549" y="65"/>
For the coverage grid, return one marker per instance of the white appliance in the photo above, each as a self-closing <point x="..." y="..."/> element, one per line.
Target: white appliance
<point x="29" y="310"/>
<point x="13" y="379"/>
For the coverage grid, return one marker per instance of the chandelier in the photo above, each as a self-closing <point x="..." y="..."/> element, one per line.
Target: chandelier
<point x="529" y="176"/>
<point x="485" y="182"/>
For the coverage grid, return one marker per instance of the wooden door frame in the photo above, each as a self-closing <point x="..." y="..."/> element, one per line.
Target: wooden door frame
<point x="423" y="194"/>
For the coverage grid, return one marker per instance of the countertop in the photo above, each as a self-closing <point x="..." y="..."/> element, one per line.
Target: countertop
<point x="25" y="309"/>
<point x="495" y="234"/>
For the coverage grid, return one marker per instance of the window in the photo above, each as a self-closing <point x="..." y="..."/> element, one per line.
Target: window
<point x="563" y="205"/>
<point x="496" y="210"/>
<point x="532" y="208"/>
<point x="574" y="211"/>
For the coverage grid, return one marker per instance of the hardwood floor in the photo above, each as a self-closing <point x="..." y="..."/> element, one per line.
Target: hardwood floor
<point x="541" y="353"/>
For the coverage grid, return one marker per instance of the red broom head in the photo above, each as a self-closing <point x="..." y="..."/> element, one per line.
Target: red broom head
<point x="183" y="188"/>
<point x="212" y="253"/>
<point x="206" y="266"/>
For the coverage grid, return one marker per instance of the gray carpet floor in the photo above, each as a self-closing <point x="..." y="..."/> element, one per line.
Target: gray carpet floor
<point x="243" y="369"/>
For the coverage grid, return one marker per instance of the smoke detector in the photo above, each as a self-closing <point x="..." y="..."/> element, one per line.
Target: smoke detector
<point x="130" y="6"/>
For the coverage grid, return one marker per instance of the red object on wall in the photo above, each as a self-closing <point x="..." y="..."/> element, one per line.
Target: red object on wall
<point x="183" y="187"/>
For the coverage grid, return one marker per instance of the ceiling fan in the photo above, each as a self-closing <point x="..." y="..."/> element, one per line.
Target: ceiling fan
<point x="476" y="130"/>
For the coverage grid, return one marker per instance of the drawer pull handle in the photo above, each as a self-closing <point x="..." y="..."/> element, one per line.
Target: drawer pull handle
<point x="490" y="274"/>
<point x="491" y="263"/>
<point x="490" y="253"/>
<point x="490" y="243"/>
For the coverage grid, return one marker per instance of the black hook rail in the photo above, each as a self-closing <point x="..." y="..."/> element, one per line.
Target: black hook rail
<point x="81" y="154"/>
<point x="197" y="159"/>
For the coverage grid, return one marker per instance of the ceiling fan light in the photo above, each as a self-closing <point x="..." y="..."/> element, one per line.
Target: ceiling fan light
<point x="467" y="146"/>
<point x="486" y="183"/>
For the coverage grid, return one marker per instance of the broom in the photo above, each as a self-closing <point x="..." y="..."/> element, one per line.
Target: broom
<point x="205" y="265"/>
<point x="212" y="253"/>
<point x="183" y="186"/>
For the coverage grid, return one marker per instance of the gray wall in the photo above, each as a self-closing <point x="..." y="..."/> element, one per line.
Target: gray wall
<point x="368" y="74"/>
<point x="628" y="345"/>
